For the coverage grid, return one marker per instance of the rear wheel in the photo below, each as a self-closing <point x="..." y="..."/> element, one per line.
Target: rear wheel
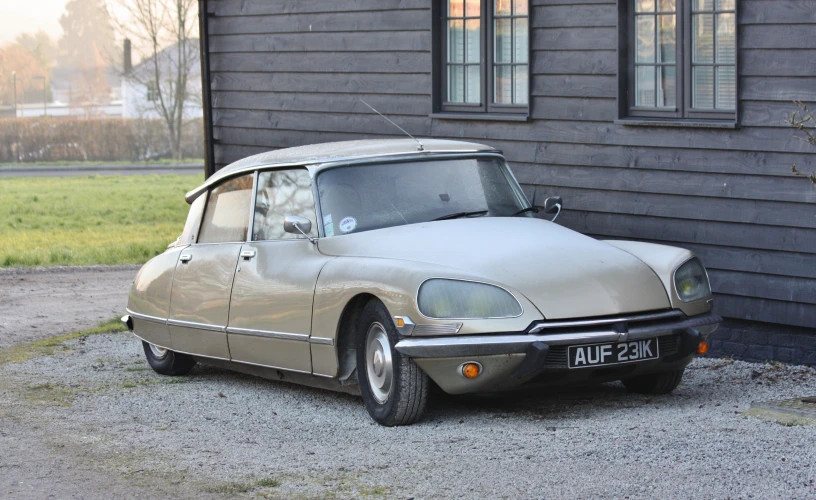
<point x="655" y="383"/>
<point x="394" y="388"/>
<point x="167" y="362"/>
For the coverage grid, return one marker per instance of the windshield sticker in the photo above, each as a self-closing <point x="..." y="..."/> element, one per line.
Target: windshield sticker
<point x="348" y="224"/>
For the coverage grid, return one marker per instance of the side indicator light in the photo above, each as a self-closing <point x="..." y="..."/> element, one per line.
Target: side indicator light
<point x="702" y="347"/>
<point x="470" y="370"/>
<point x="400" y="322"/>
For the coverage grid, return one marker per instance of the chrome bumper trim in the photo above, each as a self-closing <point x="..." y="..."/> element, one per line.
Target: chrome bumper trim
<point x="578" y="323"/>
<point x="482" y="345"/>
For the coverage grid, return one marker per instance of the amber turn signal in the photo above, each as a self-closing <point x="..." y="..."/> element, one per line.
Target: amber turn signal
<point x="471" y="370"/>
<point x="702" y="347"/>
<point x="400" y="322"/>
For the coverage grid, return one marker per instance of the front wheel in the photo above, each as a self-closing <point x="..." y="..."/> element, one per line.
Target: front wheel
<point x="167" y="362"/>
<point x="394" y="388"/>
<point x="655" y="383"/>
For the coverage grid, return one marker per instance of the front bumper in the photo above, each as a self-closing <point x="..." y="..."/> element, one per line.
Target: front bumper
<point x="510" y="360"/>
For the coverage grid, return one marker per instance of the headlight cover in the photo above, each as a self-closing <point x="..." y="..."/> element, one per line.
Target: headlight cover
<point x="691" y="281"/>
<point x="457" y="299"/>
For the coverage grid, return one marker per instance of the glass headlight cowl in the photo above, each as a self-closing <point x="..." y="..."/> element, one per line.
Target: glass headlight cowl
<point x="455" y="299"/>
<point x="691" y="281"/>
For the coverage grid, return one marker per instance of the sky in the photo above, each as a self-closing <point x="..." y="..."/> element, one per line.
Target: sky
<point x="30" y="16"/>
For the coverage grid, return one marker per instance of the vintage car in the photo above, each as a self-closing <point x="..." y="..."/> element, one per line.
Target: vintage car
<point x="380" y="266"/>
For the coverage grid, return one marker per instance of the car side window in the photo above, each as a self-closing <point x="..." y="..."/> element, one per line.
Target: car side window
<point x="282" y="193"/>
<point x="226" y="218"/>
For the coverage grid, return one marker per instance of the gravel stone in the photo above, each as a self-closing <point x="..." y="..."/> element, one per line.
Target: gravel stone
<point x="99" y="409"/>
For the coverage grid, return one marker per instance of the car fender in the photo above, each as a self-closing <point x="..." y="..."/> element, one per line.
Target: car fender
<point x="395" y="283"/>
<point x="664" y="260"/>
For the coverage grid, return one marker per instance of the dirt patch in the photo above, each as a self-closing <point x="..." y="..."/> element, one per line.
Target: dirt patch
<point x="42" y="302"/>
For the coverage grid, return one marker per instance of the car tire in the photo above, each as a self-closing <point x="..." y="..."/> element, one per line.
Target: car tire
<point x="166" y="362"/>
<point x="654" y="383"/>
<point x="394" y="388"/>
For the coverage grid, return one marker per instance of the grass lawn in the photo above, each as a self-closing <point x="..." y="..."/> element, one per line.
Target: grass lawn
<point x="69" y="221"/>
<point x="164" y="161"/>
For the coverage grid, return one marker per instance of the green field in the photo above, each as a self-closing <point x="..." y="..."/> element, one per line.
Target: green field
<point x="70" y="221"/>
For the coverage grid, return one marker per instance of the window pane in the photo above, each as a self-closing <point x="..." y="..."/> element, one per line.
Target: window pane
<point x="456" y="83"/>
<point x="503" y="85"/>
<point x="227" y="214"/>
<point x="726" y="88"/>
<point x="520" y="7"/>
<point x="667" y="52"/>
<point x="473" y="51"/>
<point x="504" y="42"/>
<point x="699" y="5"/>
<point x="702" y="82"/>
<point x="644" y="5"/>
<point x="282" y="193"/>
<point x="726" y="39"/>
<point x="645" y="34"/>
<point x="703" y="38"/>
<point x="473" y="8"/>
<point x="456" y="8"/>
<point x="456" y="42"/>
<point x="520" y="81"/>
<point x="667" y="86"/>
<point x="726" y="4"/>
<point x="503" y="7"/>
<point x="645" y="86"/>
<point x="520" y="44"/>
<point x="667" y="6"/>
<point x="474" y="91"/>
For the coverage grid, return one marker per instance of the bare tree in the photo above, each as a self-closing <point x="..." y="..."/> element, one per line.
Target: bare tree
<point x="163" y="32"/>
<point x="804" y="122"/>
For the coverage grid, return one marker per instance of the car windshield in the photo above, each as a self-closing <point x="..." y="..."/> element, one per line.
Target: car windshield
<point x="365" y="197"/>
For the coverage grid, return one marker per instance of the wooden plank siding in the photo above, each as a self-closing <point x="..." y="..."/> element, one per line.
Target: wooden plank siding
<point x="292" y="72"/>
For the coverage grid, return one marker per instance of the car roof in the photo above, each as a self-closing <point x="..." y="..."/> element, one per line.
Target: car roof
<point x="319" y="156"/>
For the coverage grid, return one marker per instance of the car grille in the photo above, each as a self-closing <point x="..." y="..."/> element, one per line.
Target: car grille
<point x="557" y="355"/>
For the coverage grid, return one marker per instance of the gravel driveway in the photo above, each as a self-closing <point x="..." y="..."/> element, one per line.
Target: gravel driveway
<point x="93" y="421"/>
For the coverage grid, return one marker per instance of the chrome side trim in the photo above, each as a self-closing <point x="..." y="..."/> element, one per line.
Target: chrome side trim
<point x="268" y="334"/>
<point x="475" y="345"/>
<point x="321" y="340"/>
<point x="606" y="321"/>
<point x="323" y="375"/>
<point x="265" y="366"/>
<point x="446" y="329"/>
<point x="407" y="328"/>
<point x="145" y="317"/>
<point x="199" y="326"/>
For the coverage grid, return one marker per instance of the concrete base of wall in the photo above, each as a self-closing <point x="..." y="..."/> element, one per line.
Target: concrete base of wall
<point x="755" y="341"/>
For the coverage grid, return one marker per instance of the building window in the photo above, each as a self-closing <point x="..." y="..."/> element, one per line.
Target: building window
<point x="681" y="59"/>
<point x="484" y="56"/>
<point x="150" y="94"/>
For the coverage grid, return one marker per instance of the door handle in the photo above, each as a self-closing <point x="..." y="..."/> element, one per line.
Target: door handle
<point x="186" y="257"/>
<point x="247" y="254"/>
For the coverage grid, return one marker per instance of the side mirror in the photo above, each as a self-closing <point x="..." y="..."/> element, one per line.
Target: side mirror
<point x="297" y="225"/>
<point x="552" y="205"/>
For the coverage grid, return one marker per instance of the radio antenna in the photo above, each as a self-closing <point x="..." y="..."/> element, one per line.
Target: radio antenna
<point x="420" y="148"/>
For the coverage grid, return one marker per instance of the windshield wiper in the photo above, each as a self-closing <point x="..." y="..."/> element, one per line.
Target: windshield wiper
<point x="525" y="210"/>
<point x="462" y="214"/>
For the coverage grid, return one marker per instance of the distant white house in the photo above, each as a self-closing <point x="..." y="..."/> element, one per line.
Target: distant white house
<point x="140" y="96"/>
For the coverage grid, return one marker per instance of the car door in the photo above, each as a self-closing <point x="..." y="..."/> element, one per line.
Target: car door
<point x="270" y="315"/>
<point x="199" y="300"/>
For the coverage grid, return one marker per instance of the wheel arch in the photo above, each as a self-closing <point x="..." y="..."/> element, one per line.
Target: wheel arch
<point x="346" y="350"/>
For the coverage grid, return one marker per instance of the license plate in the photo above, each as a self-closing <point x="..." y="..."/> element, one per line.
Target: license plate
<point x="587" y="356"/>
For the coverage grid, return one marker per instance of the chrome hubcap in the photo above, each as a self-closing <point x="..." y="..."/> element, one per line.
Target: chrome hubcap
<point x="379" y="367"/>
<point x="158" y="352"/>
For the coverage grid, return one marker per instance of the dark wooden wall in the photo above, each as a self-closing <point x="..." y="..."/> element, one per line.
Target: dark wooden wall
<point x="291" y="72"/>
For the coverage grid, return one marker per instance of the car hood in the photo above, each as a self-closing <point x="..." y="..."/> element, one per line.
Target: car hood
<point x="564" y="273"/>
